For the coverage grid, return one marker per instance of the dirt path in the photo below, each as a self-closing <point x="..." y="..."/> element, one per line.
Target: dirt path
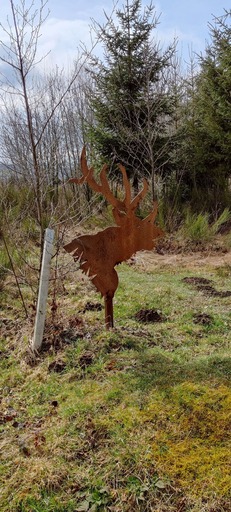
<point x="153" y="260"/>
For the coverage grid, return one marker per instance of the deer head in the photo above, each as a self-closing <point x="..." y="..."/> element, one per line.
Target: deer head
<point x="98" y="254"/>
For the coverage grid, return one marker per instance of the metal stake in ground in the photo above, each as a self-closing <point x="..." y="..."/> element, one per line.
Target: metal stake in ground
<point x="108" y="303"/>
<point x="43" y="290"/>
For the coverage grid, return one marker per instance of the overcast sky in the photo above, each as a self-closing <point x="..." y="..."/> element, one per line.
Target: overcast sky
<point x="69" y="23"/>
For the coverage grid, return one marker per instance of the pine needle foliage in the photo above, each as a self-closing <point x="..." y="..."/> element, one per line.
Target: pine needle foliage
<point x="131" y="105"/>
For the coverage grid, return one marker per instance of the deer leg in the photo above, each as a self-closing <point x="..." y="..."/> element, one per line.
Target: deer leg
<point x="108" y="303"/>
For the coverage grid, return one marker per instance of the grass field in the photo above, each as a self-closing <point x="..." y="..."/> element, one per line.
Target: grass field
<point x="134" y="419"/>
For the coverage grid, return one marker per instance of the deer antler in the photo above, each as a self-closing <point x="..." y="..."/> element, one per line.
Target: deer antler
<point x="151" y="216"/>
<point x="103" y="187"/>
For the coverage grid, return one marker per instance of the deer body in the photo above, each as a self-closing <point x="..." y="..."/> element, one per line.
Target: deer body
<point x="99" y="253"/>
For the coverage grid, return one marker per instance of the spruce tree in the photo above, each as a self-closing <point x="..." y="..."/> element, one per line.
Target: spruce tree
<point x="208" y="130"/>
<point x="131" y="102"/>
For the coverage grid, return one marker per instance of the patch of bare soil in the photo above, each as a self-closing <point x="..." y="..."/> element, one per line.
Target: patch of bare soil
<point x="210" y="290"/>
<point x="9" y="326"/>
<point x="57" y="366"/>
<point x="57" y="335"/>
<point x="86" y="359"/>
<point x="171" y="243"/>
<point x="152" y="260"/>
<point x="92" y="306"/>
<point x="149" y="315"/>
<point x="205" y="286"/>
<point x="197" y="281"/>
<point x="202" y="319"/>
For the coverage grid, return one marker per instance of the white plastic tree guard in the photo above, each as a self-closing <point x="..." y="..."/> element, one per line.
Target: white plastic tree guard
<point x="43" y="290"/>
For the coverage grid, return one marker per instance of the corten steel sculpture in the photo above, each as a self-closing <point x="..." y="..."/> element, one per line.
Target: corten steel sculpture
<point x="98" y="254"/>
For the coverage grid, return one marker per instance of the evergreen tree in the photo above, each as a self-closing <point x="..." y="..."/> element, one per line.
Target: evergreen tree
<point x="208" y="129"/>
<point x="131" y="101"/>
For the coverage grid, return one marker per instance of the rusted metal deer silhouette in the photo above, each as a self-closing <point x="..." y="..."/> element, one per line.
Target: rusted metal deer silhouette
<point x="99" y="253"/>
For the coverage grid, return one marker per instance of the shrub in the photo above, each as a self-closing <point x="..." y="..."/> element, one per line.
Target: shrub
<point x="198" y="229"/>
